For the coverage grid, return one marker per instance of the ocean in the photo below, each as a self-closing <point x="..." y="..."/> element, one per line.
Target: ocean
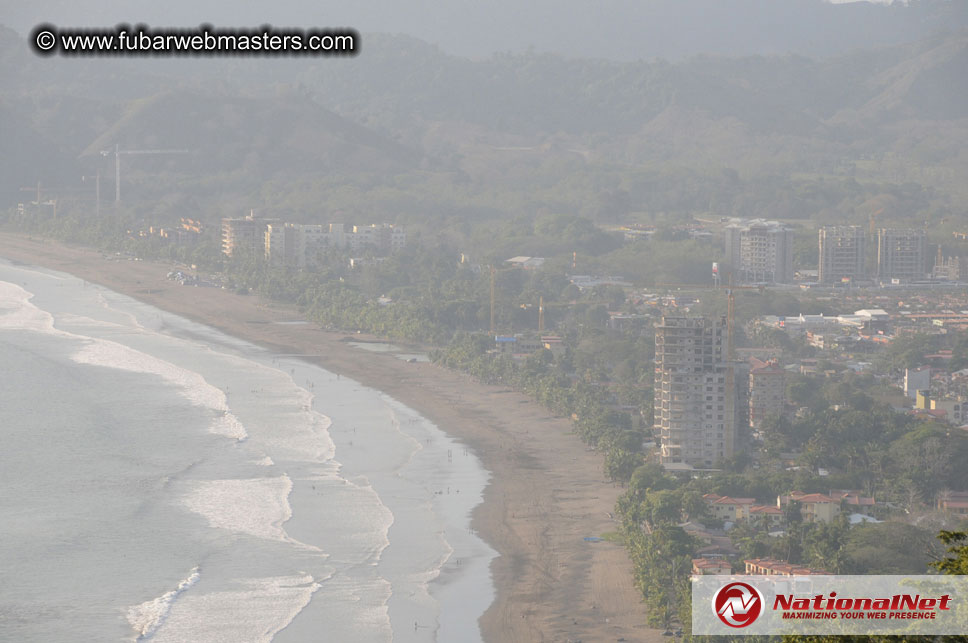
<point x="162" y="481"/>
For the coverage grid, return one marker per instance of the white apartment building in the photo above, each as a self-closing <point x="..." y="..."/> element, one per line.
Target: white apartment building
<point x="296" y="244"/>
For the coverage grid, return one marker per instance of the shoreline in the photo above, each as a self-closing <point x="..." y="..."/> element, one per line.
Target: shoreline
<point x="546" y="490"/>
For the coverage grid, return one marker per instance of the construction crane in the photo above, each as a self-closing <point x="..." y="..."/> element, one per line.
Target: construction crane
<point x="117" y="151"/>
<point x="730" y="306"/>
<point x="873" y="220"/>
<point x="542" y="307"/>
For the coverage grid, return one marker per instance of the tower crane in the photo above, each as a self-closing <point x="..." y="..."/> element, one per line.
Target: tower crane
<point x="730" y="306"/>
<point x="117" y="151"/>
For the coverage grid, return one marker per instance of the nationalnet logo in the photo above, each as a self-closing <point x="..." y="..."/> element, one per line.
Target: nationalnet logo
<point x="830" y="605"/>
<point x="738" y="604"/>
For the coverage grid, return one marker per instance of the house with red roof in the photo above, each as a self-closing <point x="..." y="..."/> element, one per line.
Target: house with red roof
<point x="771" y="567"/>
<point x="814" y="507"/>
<point x="953" y="502"/>
<point x="769" y="514"/>
<point x="711" y="566"/>
<point x="727" y="508"/>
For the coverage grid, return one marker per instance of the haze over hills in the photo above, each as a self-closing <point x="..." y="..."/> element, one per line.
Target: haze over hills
<point x="412" y="128"/>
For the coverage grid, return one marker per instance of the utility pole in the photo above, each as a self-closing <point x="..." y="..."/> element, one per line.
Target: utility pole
<point x="540" y="313"/>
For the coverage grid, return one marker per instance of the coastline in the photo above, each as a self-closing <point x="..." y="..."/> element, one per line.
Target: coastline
<point x="546" y="492"/>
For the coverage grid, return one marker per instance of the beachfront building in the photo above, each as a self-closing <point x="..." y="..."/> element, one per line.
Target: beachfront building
<point x="244" y="233"/>
<point x="695" y="421"/>
<point x="900" y="254"/>
<point x="760" y="251"/>
<point x="299" y="244"/>
<point x="842" y="254"/>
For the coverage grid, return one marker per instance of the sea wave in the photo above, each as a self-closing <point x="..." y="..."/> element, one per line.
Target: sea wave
<point x="18" y="313"/>
<point x="150" y="615"/>
<point x="104" y="352"/>
<point x="254" y="613"/>
<point x="254" y="506"/>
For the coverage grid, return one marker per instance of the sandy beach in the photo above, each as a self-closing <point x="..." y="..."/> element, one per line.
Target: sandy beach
<point x="547" y="490"/>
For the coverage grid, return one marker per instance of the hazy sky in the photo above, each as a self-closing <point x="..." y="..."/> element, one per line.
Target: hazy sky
<point x="617" y="29"/>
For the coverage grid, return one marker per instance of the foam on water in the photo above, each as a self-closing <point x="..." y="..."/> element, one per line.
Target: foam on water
<point x="150" y="615"/>
<point x="256" y="506"/>
<point x="283" y="486"/>
<point x="254" y="613"/>
<point x="18" y="313"/>
<point x="103" y="352"/>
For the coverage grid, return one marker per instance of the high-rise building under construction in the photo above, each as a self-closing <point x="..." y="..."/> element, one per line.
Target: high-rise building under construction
<point x="842" y="254"/>
<point x="693" y="415"/>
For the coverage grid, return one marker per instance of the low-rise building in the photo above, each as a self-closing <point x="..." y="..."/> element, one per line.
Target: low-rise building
<point x="955" y="411"/>
<point x="916" y="379"/>
<point x="772" y="516"/>
<point x="814" y="507"/>
<point x="773" y="567"/>
<point x="711" y="567"/>
<point x="854" y="500"/>
<point x="729" y="509"/>
<point x="554" y="344"/>
<point x="953" y="502"/>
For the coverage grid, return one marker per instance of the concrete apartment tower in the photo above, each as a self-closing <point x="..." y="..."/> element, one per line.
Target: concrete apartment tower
<point x="760" y="251"/>
<point x="692" y="415"/>
<point x="842" y="254"/>
<point x="900" y="254"/>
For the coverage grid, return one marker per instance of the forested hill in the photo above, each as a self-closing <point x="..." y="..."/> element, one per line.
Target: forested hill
<point x="512" y="123"/>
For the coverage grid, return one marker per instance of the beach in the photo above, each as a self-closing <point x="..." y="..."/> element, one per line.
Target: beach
<point x="546" y="491"/>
